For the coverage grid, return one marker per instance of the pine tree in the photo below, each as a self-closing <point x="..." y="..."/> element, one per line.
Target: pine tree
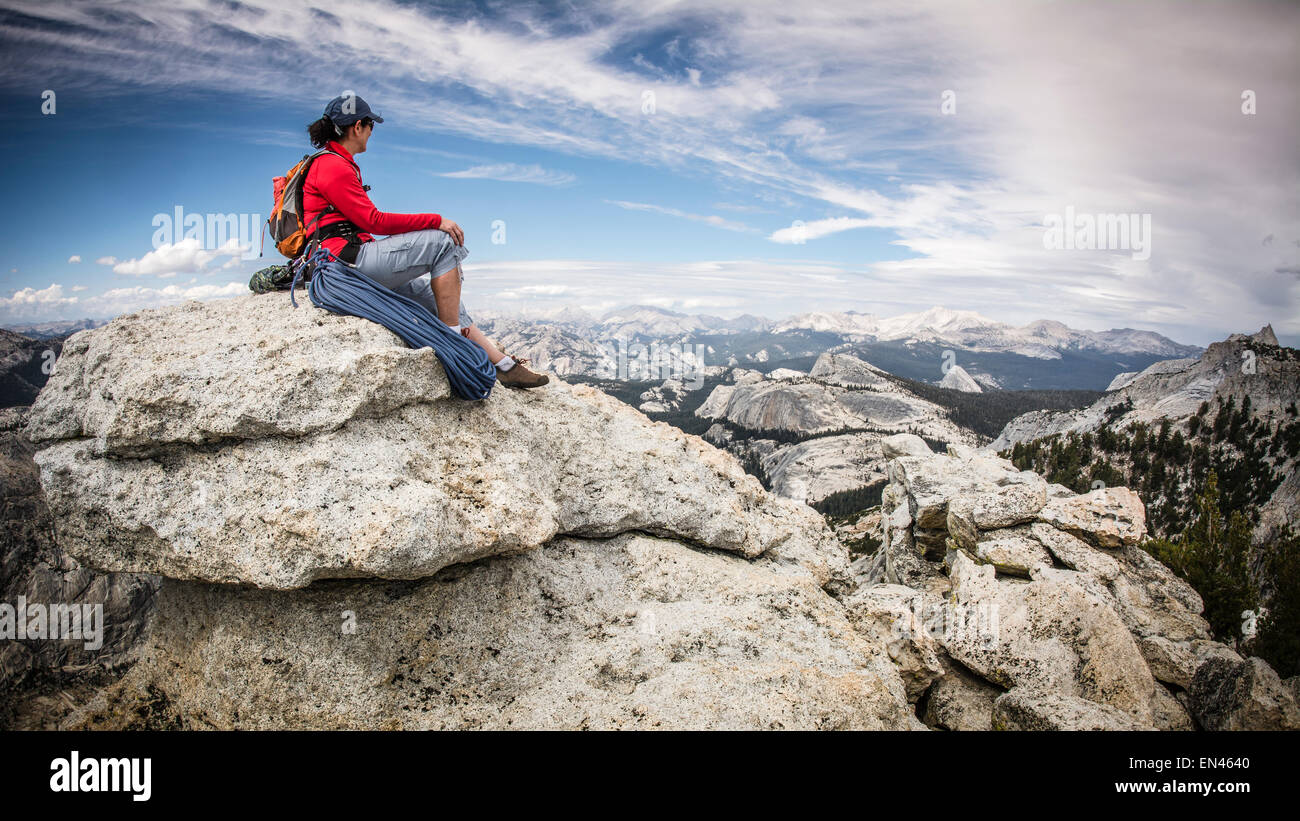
<point x="1212" y="555"/>
<point x="1278" y="641"/>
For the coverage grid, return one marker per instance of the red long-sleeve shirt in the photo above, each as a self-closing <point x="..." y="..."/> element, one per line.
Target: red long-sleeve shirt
<point x="336" y="181"/>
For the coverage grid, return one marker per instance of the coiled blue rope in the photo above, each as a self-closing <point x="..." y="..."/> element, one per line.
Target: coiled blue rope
<point x="341" y="289"/>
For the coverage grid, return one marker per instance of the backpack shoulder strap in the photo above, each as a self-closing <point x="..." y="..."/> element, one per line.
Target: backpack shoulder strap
<point x="328" y="208"/>
<point x="302" y="181"/>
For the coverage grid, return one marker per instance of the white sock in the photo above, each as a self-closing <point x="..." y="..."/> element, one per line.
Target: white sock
<point x="505" y="363"/>
<point x="455" y="328"/>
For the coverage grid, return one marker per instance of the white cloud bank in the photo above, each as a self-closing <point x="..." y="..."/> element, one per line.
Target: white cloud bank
<point x="55" y="302"/>
<point x="185" y="257"/>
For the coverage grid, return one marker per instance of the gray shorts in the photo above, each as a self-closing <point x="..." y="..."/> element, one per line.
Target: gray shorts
<point x="408" y="263"/>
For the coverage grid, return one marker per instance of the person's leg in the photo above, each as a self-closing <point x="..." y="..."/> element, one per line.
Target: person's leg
<point x="479" y="338"/>
<point x="416" y="265"/>
<point x="446" y="291"/>
<point x="405" y="263"/>
<point x="446" y="295"/>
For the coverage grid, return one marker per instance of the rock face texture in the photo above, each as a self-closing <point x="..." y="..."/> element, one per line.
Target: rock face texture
<point x="42" y="678"/>
<point x="1040" y="611"/>
<point x="1026" y="710"/>
<point x="295" y="445"/>
<point x="336" y="541"/>
<point x="622" y="633"/>
<point x="1229" y="694"/>
<point x="345" y="544"/>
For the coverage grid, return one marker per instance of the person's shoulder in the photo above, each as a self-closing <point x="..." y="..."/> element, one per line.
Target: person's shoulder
<point x="332" y="164"/>
<point x="330" y="157"/>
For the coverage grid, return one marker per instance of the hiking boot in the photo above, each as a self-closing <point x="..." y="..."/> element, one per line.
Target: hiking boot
<point x="520" y="377"/>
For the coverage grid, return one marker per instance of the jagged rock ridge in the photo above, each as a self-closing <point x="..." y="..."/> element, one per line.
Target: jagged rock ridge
<point x="1048" y="614"/>
<point x="1241" y="367"/>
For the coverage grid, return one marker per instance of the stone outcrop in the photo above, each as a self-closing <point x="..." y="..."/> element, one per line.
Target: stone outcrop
<point x="631" y="632"/>
<point x="903" y="444"/>
<point x="1048" y="636"/>
<point x="1228" y="694"/>
<point x="1108" y="517"/>
<point x="296" y="445"/>
<point x="346" y="544"/>
<point x="959" y="380"/>
<point x="1043" y="594"/>
<point x="960" y="700"/>
<point x="336" y="541"/>
<point x="839" y="392"/>
<point x="895" y="616"/>
<point x="42" y="678"/>
<point x="1025" y="710"/>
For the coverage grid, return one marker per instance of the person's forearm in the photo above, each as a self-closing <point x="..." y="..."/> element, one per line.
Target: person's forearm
<point x="353" y="203"/>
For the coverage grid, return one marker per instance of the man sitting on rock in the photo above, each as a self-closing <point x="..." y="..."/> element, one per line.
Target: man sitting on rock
<point x="419" y="252"/>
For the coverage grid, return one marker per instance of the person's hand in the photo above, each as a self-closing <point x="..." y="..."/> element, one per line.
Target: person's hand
<point x="457" y="235"/>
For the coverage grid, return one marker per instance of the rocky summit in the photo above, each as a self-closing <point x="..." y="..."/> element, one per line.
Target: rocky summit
<point x="247" y="442"/>
<point x="345" y="544"/>
<point x="336" y="541"/>
<point x="1035" y="608"/>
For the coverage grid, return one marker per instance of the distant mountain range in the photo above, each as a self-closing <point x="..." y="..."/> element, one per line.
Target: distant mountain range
<point x="924" y="346"/>
<point x="58" y="328"/>
<point x="960" y="349"/>
<point x="1042" y="339"/>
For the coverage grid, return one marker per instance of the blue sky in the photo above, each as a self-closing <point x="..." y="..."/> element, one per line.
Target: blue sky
<point x="662" y="153"/>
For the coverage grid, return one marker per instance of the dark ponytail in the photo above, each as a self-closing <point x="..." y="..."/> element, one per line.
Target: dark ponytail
<point x="322" y="132"/>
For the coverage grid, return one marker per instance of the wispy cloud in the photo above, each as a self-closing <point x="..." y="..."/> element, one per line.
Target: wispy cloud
<point x="533" y="291"/>
<point x="511" y="172"/>
<point x="708" y="219"/>
<point x="801" y="232"/>
<point x="744" y="209"/>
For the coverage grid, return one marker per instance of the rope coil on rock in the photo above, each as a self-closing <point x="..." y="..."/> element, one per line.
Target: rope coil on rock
<point x="341" y="289"/>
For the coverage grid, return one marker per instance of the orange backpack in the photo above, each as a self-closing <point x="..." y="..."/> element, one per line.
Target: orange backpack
<point x="287" y="230"/>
